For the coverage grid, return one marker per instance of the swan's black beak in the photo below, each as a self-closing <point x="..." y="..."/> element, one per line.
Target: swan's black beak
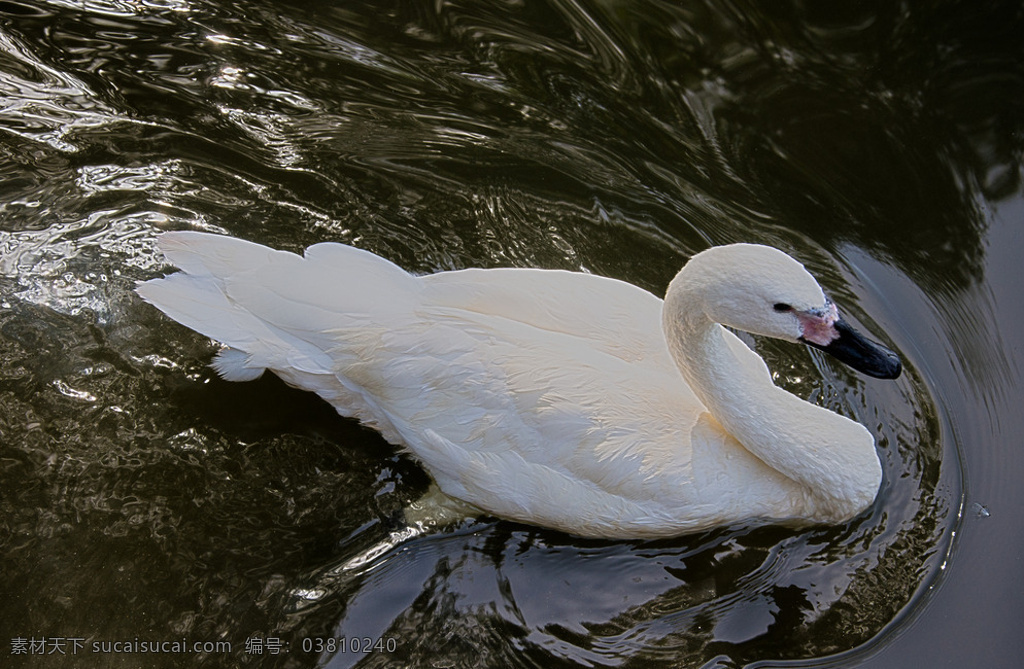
<point x="854" y="349"/>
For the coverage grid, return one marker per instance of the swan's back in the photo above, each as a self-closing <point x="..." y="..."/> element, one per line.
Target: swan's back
<point x="614" y="316"/>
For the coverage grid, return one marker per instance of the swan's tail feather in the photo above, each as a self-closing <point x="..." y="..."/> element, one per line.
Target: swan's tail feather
<point x="202" y="254"/>
<point x="274" y="309"/>
<point x="235" y="365"/>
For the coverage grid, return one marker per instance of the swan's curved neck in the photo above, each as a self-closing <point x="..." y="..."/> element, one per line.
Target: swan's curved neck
<point x="832" y="457"/>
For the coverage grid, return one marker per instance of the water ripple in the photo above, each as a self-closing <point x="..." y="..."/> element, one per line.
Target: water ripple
<point x="42" y="103"/>
<point x="608" y="137"/>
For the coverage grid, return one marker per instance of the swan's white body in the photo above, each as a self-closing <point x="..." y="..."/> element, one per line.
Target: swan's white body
<point x="553" y="398"/>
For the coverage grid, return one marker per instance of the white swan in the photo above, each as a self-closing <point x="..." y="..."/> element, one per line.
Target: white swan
<point x="553" y="398"/>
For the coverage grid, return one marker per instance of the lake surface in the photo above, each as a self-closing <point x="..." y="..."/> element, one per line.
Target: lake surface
<point x="144" y="500"/>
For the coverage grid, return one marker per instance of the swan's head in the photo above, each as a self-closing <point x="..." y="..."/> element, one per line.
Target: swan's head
<point x="762" y="290"/>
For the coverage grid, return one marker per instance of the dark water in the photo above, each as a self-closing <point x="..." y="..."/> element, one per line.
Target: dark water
<point x="142" y="498"/>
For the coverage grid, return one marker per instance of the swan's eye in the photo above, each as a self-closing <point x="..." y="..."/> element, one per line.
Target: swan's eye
<point x="782" y="307"/>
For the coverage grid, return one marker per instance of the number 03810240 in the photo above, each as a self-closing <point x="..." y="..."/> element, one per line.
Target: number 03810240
<point x="344" y="644"/>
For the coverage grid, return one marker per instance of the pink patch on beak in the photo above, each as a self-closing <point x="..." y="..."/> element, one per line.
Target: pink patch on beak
<point x="818" y="326"/>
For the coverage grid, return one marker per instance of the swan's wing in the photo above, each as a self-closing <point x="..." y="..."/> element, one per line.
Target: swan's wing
<point x="506" y="416"/>
<point x="263" y="301"/>
<point x="618" y="318"/>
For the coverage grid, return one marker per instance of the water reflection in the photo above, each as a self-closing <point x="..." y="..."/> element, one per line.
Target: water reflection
<point x="141" y="496"/>
<point x="116" y="7"/>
